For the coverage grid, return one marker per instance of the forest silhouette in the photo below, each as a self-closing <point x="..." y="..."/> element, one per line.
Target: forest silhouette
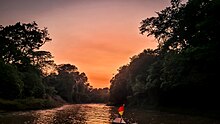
<point x="183" y="71"/>
<point x="30" y="79"/>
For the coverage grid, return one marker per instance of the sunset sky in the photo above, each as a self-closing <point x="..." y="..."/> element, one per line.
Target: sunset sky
<point x="97" y="36"/>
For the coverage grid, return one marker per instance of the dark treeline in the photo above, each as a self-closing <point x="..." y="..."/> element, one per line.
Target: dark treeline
<point x="184" y="69"/>
<point x="30" y="76"/>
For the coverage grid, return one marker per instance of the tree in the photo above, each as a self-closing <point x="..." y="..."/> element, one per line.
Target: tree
<point x="19" y="53"/>
<point x="165" y="26"/>
<point x="11" y="84"/>
<point x="119" y="86"/>
<point x="19" y="42"/>
<point x="43" y="61"/>
<point x="130" y="81"/>
<point x="69" y="83"/>
<point x="33" y="84"/>
<point x="189" y="51"/>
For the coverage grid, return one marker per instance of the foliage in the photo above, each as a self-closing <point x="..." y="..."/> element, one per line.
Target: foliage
<point x="43" y="61"/>
<point x="130" y="79"/>
<point x="21" y="64"/>
<point x="11" y="84"/>
<point x="69" y="83"/>
<point x="27" y="72"/>
<point x="100" y="95"/>
<point x="184" y="71"/>
<point x="33" y="86"/>
<point x="26" y="104"/>
<point x="19" y="42"/>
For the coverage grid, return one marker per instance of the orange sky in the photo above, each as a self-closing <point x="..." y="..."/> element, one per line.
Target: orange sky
<point x="97" y="36"/>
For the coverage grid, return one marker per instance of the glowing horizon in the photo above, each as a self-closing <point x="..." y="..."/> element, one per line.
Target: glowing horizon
<point x="97" y="36"/>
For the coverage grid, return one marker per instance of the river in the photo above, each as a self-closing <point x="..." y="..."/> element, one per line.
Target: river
<point x="98" y="114"/>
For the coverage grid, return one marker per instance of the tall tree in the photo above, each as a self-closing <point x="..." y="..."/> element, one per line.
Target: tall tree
<point x="130" y="81"/>
<point x="189" y="50"/>
<point x="19" y="51"/>
<point x="11" y="84"/>
<point x="69" y="83"/>
<point x="19" y="42"/>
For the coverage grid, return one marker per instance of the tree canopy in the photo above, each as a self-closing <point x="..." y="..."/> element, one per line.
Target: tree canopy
<point x="20" y="60"/>
<point x="28" y="72"/>
<point x="184" y="68"/>
<point x="20" y="41"/>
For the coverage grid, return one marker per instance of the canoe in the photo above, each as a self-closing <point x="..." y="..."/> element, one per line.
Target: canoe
<point x="118" y="121"/>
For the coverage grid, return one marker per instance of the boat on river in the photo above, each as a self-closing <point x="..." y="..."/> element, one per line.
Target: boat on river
<point x="118" y="121"/>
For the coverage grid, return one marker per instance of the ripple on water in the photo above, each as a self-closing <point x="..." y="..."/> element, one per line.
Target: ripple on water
<point x="98" y="114"/>
<point x="95" y="113"/>
<point x="72" y="114"/>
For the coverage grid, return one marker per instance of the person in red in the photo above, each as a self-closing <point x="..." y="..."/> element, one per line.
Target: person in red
<point x="120" y="120"/>
<point x="121" y="109"/>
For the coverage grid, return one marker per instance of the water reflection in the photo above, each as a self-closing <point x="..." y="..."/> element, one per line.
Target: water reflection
<point x="99" y="114"/>
<point x="44" y="117"/>
<point x="96" y="114"/>
<point x="67" y="114"/>
<point x="74" y="114"/>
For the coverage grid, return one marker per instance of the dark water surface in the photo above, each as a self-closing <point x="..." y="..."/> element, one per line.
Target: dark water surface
<point x="98" y="114"/>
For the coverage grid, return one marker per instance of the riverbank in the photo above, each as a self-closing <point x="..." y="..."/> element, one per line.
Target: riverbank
<point x="66" y="114"/>
<point x="29" y="104"/>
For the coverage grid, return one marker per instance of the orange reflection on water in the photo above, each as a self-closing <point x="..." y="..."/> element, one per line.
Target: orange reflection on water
<point x="73" y="114"/>
<point x="45" y="116"/>
<point x="96" y="113"/>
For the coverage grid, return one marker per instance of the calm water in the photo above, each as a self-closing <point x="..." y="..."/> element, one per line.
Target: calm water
<point x="98" y="114"/>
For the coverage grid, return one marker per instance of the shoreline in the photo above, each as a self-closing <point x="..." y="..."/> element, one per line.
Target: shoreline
<point x="28" y="104"/>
